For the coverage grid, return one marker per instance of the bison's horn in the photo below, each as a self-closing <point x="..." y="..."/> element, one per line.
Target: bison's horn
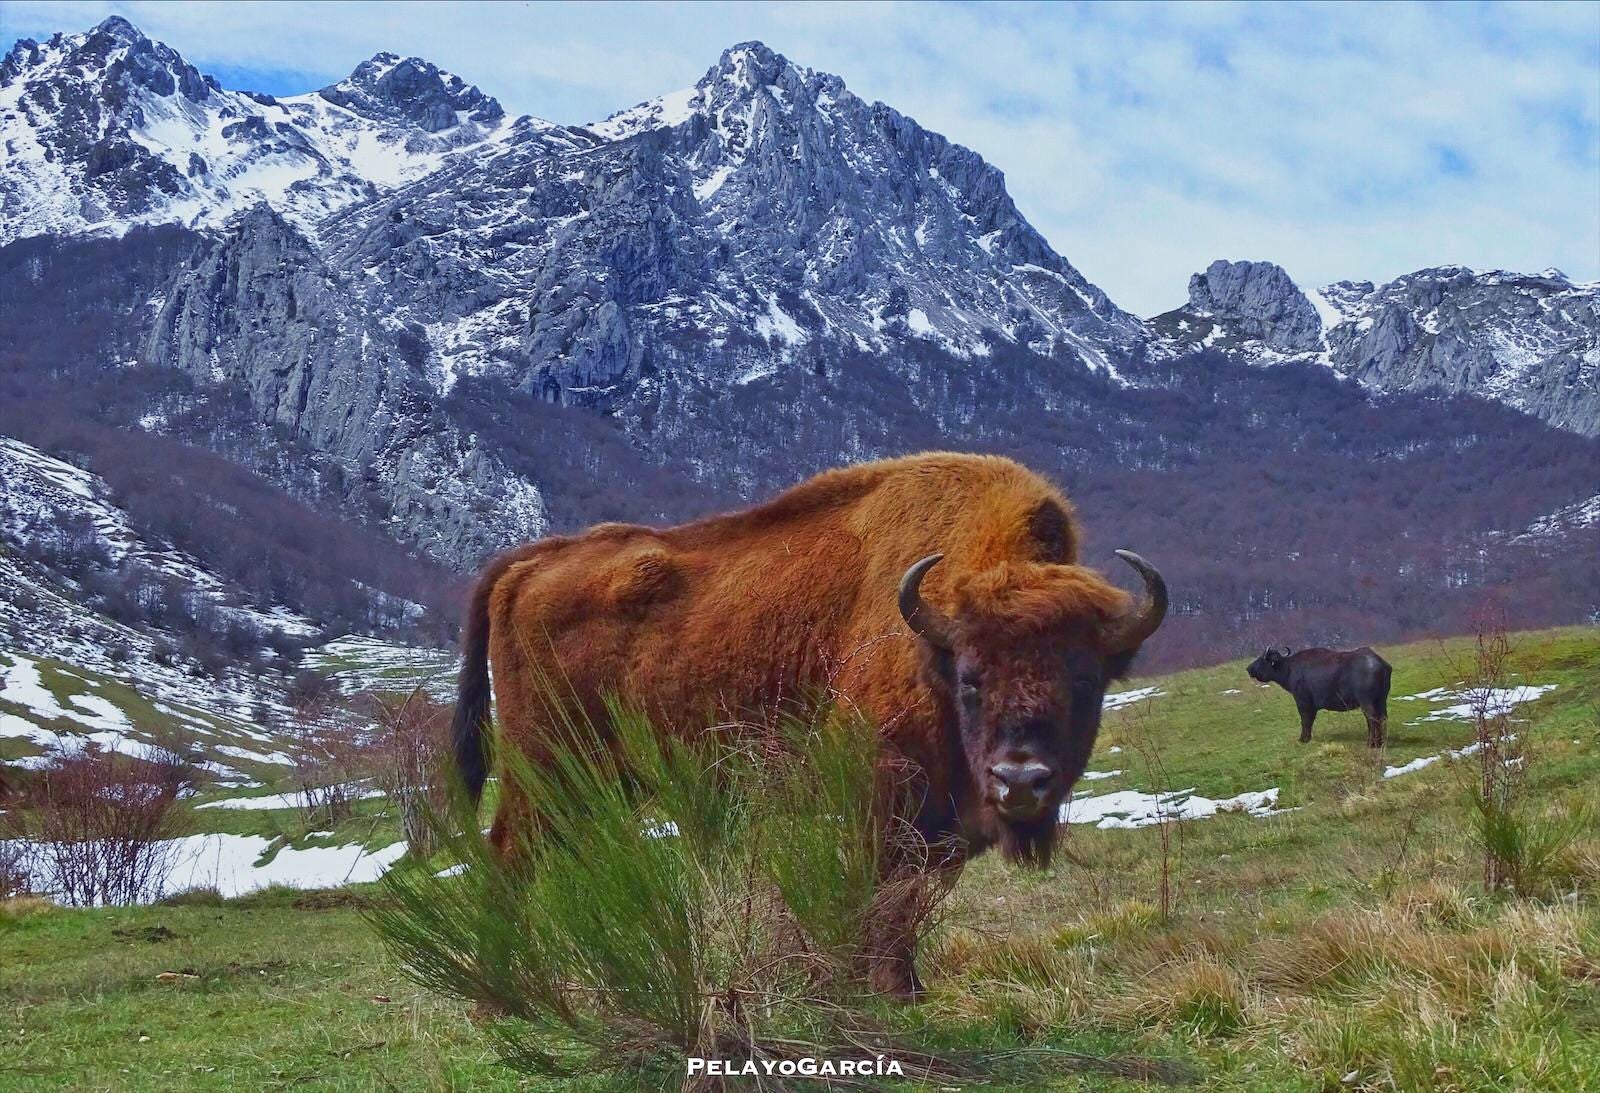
<point x="926" y="622"/>
<point x="1136" y="626"/>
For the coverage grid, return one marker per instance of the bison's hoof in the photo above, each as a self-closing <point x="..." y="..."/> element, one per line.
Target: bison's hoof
<point x="900" y="983"/>
<point x="484" y="1013"/>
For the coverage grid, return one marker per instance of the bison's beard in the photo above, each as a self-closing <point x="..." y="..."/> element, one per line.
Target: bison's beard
<point x="1029" y="842"/>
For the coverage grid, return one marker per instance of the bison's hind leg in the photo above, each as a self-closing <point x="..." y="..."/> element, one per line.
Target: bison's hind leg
<point x="1377" y="723"/>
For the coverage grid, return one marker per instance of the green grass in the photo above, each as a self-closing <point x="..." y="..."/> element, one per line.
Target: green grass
<point x="286" y="993"/>
<point x="1345" y="945"/>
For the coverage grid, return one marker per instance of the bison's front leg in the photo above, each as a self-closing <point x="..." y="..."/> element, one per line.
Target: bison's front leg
<point x="909" y="887"/>
<point x="1308" y="717"/>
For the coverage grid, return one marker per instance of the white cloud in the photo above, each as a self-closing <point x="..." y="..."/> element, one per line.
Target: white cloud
<point x="1143" y="141"/>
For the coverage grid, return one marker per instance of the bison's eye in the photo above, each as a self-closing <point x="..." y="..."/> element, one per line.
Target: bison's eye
<point x="1084" y="688"/>
<point x="968" y="688"/>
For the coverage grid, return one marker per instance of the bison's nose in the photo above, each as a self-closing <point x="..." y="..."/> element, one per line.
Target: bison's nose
<point x="1020" y="789"/>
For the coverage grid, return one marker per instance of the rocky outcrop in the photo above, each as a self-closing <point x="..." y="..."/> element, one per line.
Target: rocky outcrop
<point x="1260" y="301"/>
<point x="1530" y="341"/>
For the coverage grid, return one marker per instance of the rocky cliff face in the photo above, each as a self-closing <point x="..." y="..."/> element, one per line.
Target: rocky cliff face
<point x="1531" y="342"/>
<point x="258" y="311"/>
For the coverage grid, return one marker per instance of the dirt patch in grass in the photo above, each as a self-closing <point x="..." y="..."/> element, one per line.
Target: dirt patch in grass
<point x="152" y="934"/>
<point x="334" y="899"/>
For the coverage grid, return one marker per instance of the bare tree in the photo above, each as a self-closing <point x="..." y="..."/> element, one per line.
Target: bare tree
<point x="1141" y="738"/>
<point x="1517" y="842"/>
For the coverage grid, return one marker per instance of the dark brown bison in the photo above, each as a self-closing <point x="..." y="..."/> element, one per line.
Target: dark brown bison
<point x="1330" y="679"/>
<point x="940" y="594"/>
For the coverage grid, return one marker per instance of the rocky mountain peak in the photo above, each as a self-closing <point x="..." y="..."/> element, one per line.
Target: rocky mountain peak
<point x="112" y="33"/>
<point x="750" y="82"/>
<point x="1260" y="301"/>
<point x="390" y="88"/>
<point x="752" y="66"/>
<point x="108" y="128"/>
<point x="114" y="58"/>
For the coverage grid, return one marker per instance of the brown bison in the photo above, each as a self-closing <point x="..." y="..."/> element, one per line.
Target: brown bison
<point x="940" y="594"/>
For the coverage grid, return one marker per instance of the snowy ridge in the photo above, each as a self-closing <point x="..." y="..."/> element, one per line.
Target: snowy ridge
<point x="1579" y="514"/>
<point x="36" y="489"/>
<point x="106" y="129"/>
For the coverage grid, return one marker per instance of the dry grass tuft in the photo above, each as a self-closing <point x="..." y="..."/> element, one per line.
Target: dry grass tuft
<point x="17" y="908"/>
<point x="1577" y="867"/>
<point x="1433" y="903"/>
<point x="1027" y="984"/>
<point x="1197" y="990"/>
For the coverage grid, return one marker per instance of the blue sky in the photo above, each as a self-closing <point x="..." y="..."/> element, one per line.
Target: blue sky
<point x="1342" y="141"/>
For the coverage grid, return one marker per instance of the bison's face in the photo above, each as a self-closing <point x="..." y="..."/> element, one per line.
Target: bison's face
<point x="1024" y="658"/>
<point x="1029" y="715"/>
<point x="1268" y="667"/>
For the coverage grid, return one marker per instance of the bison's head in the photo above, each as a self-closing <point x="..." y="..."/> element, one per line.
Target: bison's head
<point x="1268" y="667"/>
<point x="1024" y="659"/>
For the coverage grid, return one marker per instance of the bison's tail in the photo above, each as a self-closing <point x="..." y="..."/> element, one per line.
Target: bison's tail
<point x="473" y="694"/>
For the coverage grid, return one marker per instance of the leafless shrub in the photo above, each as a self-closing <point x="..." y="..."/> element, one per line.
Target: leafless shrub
<point x="1141" y="737"/>
<point x="409" y="755"/>
<point x="100" y="825"/>
<point x="1517" y="844"/>
<point x="14" y="855"/>
<point x="331" y="759"/>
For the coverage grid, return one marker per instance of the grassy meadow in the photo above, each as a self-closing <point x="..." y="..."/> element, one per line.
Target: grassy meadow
<point x="1343" y="942"/>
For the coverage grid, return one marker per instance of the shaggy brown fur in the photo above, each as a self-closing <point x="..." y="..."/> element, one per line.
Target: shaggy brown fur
<point x="728" y="616"/>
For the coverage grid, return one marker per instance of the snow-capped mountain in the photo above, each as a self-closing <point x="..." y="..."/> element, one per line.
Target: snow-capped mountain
<point x="107" y="129"/>
<point x="1529" y="341"/>
<point x="764" y="216"/>
<point x="764" y="219"/>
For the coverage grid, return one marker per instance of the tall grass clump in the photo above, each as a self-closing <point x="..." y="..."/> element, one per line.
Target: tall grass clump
<point x="672" y="898"/>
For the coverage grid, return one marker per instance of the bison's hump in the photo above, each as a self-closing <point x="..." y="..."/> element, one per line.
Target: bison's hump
<point x="643" y="577"/>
